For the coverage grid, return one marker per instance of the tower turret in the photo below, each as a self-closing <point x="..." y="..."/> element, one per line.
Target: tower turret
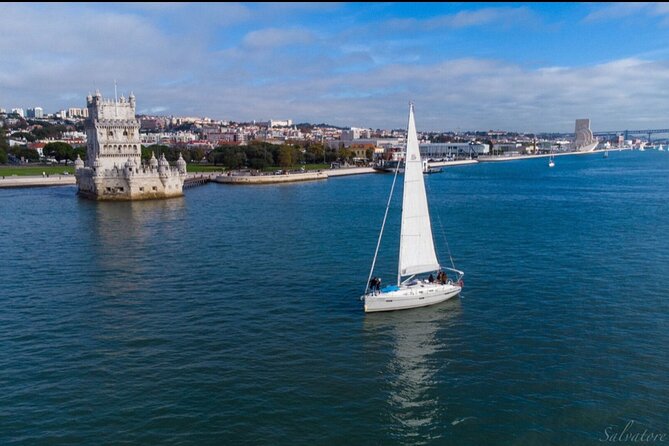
<point x="153" y="162"/>
<point x="181" y="164"/>
<point x="78" y="163"/>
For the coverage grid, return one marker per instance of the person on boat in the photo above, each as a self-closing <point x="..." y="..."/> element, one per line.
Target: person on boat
<point x="431" y="278"/>
<point x="372" y="284"/>
<point x="378" y="284"/>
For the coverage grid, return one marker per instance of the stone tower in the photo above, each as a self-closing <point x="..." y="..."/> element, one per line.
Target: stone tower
<point x="113" y="169"/>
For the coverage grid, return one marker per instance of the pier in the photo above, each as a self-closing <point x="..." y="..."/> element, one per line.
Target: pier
<point x="199" y="179"/>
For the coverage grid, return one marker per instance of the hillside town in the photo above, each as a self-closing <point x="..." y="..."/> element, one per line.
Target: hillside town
<point x="32" y="135"/>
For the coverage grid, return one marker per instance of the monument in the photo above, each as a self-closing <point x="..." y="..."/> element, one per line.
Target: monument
<point x="584" y="140"/>
<point x="113" y="168"/>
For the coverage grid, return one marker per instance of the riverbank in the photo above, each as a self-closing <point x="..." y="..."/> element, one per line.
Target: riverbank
<point x="493" y="159"/>
<point x="231" y="178"/>
<point x="37" y="181"/>
<point x="452" y="163"/>
<point x="240" y="178"/>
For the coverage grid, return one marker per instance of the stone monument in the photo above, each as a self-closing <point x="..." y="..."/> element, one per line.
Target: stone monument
<point x="113" y="168"/>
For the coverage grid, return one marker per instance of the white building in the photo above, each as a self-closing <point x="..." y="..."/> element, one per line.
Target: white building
<point x="113" y="169"/>
<point x="355" y="133"/>
<point x="36" y="112"/>
<point x="19" y="111"/>
<point x="77" y="112"/>
<point x="506" y="147"/>
<point x="452" y="149"/>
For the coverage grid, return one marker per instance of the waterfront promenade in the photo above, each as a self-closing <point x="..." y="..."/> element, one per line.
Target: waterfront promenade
<point x="487" y="159"/>
<point x="37" y="181"/>
<point x="239" y="178"/>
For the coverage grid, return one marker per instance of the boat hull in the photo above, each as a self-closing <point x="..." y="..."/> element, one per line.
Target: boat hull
<point x="414" y="296"/>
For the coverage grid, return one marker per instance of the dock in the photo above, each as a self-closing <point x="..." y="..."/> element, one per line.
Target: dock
<point x="199" y="179"/>
<point x="37" y="180"/>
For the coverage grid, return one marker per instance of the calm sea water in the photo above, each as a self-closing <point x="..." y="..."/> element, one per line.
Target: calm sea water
<point x="232" y="316"/>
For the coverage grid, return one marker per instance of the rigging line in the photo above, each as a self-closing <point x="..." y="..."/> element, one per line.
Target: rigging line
<point x="385" y="216"/>
<point x="443" y="233"/>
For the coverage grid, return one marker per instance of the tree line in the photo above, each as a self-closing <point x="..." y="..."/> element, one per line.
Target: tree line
<point x="256" y="155"/>
<point x="260" y="155"/>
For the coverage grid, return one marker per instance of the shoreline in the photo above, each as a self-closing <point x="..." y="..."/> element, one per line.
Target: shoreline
<point x="37" y="181"/>
<point x="496" y="159"/>
<point x="68" y="180"/>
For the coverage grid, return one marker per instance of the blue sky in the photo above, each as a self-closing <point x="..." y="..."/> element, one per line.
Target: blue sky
<point x="467" y="66"/>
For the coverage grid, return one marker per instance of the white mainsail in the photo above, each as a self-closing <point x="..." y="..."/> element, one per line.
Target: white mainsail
<point x="417" y="253"/>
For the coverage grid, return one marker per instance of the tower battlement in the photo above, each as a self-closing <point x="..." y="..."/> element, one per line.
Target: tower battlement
<point x="112" y="109"/>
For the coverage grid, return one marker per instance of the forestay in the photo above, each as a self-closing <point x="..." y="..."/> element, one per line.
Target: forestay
<point x="417" y="253"/>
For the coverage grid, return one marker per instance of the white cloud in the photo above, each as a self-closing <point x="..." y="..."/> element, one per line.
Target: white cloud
<point x="256" y="71"/>
<point x="612" y="11"/>
<point x="274" y="37"/>
<point x="501" y="17"/>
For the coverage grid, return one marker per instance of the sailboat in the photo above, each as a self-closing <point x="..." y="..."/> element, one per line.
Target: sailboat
<point x="551" y="163"/>
<point x="417" y="253"/>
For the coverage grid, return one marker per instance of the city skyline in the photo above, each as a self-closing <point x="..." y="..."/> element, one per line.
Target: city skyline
<point x="528" y="68"/>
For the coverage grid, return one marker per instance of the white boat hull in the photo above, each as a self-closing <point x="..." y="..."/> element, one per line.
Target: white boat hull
<point x="413" y="296"/>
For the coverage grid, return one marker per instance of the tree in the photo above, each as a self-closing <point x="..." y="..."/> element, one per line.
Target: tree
<point x="4" y="146"/>
<point x="25" y="153"/>
<point x="286" y="156"/>
<point x="28" y="136"/>
<point x="234" y="158"/>
<point x="79" y="150"/>
<point x="59" y="150"/>
<point x="216" y="155"/>
<point x="196" y="154"/>
<point x="345" y="154"/>
<point x="49" y="131"/>
<point x="258" y="157"/>
<point x="315" y="152"/>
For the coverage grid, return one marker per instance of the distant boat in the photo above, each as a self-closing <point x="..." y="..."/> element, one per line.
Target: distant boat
<point x="551" y="163"/>
<point x="417" y="253"/>
<point x="660" y="148"/>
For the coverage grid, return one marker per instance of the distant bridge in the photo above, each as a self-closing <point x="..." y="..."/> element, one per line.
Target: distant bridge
<point x="627" y="133"/>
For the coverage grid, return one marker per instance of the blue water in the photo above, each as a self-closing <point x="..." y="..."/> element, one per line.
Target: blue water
<point x="231" y="316"/>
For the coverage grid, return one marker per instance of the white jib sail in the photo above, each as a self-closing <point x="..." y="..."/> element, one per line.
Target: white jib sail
<point x="417" y="253"/>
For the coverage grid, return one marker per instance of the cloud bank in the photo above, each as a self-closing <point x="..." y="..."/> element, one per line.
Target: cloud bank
<point x="333" y="63"/>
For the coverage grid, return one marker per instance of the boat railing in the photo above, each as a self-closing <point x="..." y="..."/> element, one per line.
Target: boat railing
<point x="460" y="273"/>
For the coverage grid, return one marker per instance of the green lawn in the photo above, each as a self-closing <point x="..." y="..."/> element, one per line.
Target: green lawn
<point x="35" y="170"/>
<point x="298" y="167"/>
<point x="203" y="168"/>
